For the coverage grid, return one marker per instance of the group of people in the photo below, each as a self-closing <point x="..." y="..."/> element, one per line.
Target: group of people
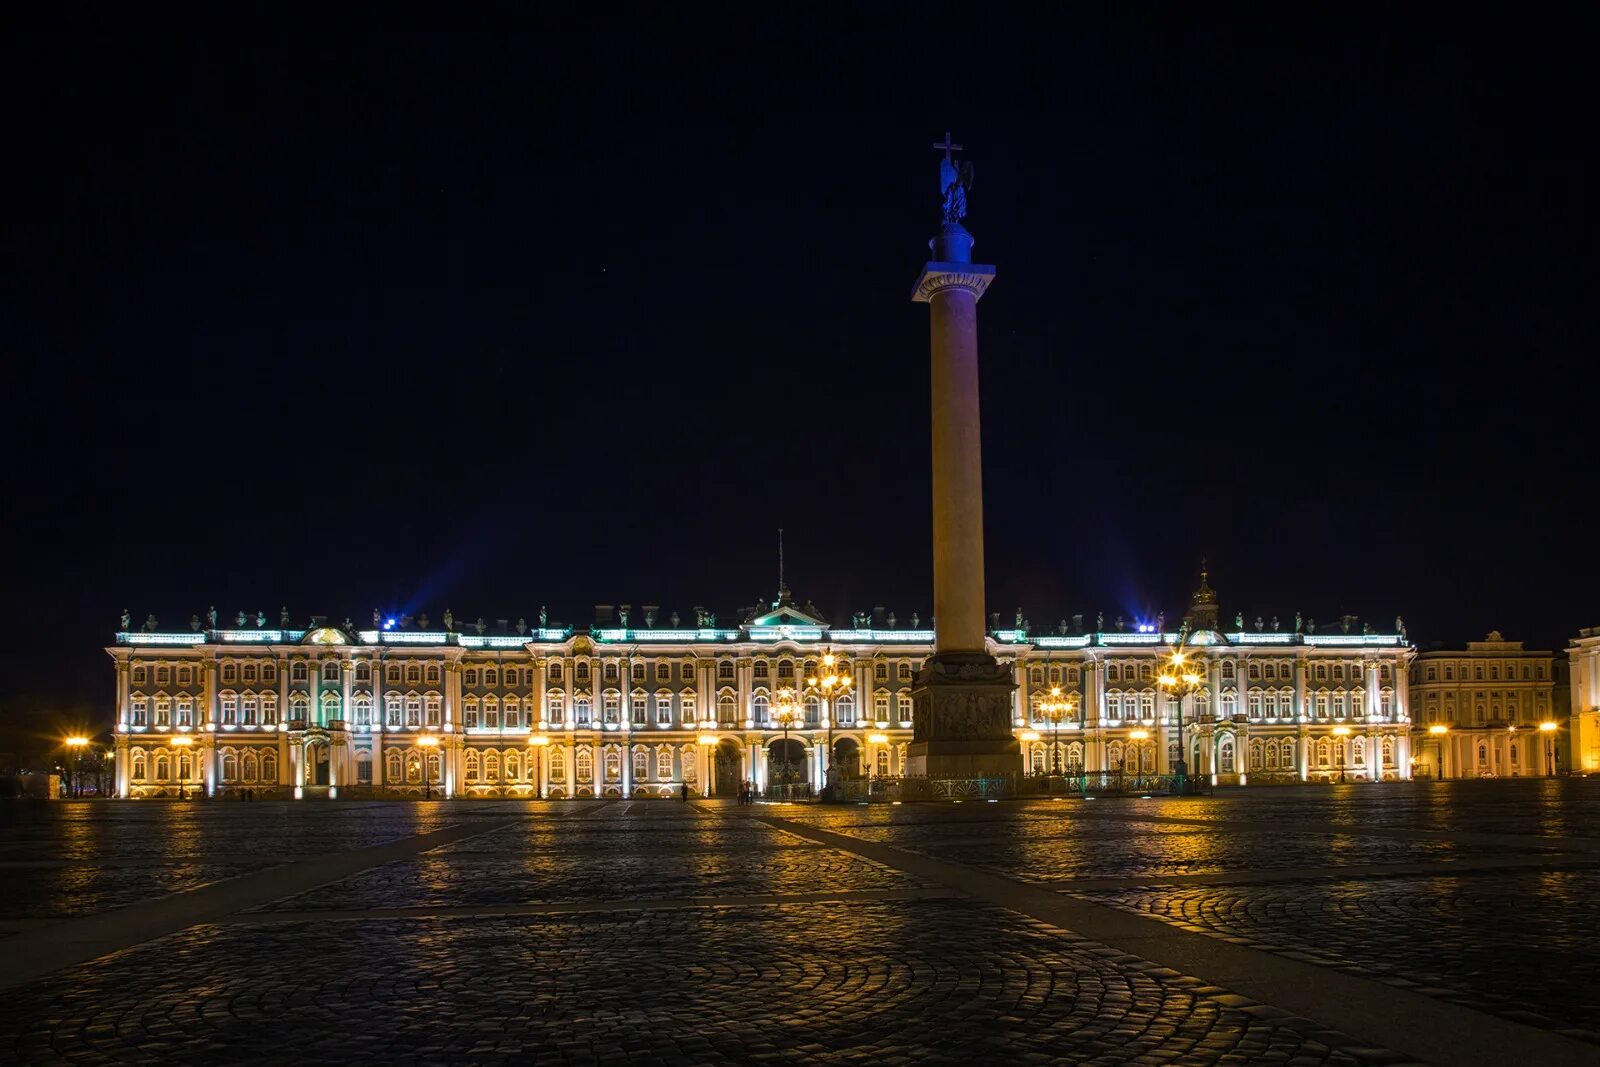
<point x="747" y="792"/>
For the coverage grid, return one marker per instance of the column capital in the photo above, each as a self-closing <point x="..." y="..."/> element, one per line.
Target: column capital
<point x="939" y="277"/>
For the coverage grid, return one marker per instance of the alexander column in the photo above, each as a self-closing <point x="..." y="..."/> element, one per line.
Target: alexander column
<point x="962" y="698"/>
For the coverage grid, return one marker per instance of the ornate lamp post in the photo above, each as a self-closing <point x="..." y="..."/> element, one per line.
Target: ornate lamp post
<point x="830" y="682"/>
<point x="538" y="743"/>
<point x="1138" y="738"/>
<point x="429" y="742"/>
<point x="1182" y="674"/>
<point x="707" y="743"/>
<point x="76" y="745"/>
<point x="1341" y="732"/>
<point x="1055" y="706"/>
<point x="1549" y="731"/>
<point x="786" y="710"/>
<point x="1437" y="731"/>
<point x="182" y="741"/>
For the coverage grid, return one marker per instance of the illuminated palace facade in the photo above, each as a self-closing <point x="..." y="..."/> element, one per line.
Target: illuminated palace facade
<point x="613" y="711"/>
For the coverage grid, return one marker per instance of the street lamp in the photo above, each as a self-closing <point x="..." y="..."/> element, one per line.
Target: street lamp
<point x="77" y="743"/>
<point x="829" y="682"/>
<point x="182" y="741"/>
<point x="706" y="741"/>
<point x="1055" y="706"/>
<point x="1341" y="732"/>
<point x="1138" y="738"/>
<point x="1182" y="674"/>
<point x="786" y="710"/>
<point x="539" y="742"/>
<point x="1438" y="730"/>
<point x="430" y="742"/>
<point x="1549" y="731"/>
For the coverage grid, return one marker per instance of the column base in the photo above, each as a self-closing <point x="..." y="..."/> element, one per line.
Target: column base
<point x="962" y="719"/>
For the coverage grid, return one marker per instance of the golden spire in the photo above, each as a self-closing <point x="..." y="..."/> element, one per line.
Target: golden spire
<point x="1205" y="594"/>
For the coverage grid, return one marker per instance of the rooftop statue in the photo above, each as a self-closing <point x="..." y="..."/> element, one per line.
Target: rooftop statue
<point x="522" y="625"/>
<point x="261" y="620"/>
<point x="1238" y="621"/>
<point x="127" y="620"/>
<point x="241" y="619"/>
<point x="544" y="617"/>
<point x="211" y="617"/>
<point x="480" y="626"/>
<point x="194" y="622"/>
<point x="377" y="619"/>
<point x="915" y="620"/>
<point x="673" y="620"/>
<point x="150" y="624"/>
<point x="1298" y="624"/>
<point x="283" y="618"/>
<point x="449" y="621"/>
<point x="1399" y="626"/>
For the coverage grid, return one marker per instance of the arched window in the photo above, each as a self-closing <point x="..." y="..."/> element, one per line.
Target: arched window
<point x="491" y="677"/>
<point x="883" y="763"/>
<point x="880" y="706"/>
<point x="491" y="712"/>
<point x="513" y="764"/>
<point x="687" y="707"/>
<point x="1257" y="754"/>
<point x="363" y="671"/>
<point x="638" y="708"/>
<point x="330" y="671"/>
<point x="391" y="705"/>
<point x="230" y="765"/>
<point x="1225" y="759"/>
<point x="613" y="765"/>
<point x="511" y="712"/>
<point x="581" y="711"/>
<point x="1255" y="699"/>
<point x="554" y="668"/>
<point x="641" y="764"/>
<point x="269" y="766"/>
<point x="844" y="711"/>
<point x="470" y="709"/>
<point x="141" y="768"/>
<point x="813" y="710"/>
<point x="413" y="674"/>
<point x="393" y="771"/>
<point x="247" y="709"/>
<point x="612" y="705"/>
<point x="557" y="705"/>
<point x="688" y="760"/>
<point x="299" y="707"/>
<point x="330" y="707"/>
<point x="433" y="674"/>
<point x="163" y="766"/>
<point x="392" y="674"/>
<point x="1358" y="748"/>
<point x="663" y="708"/>
<point x="903" y="700"/>
<point x="1036" y="758"/>
<point x="1147" y="704"/>
<point x="585" y="765"/>
<point x="1075" y="758"/>
<point x="491" y="766"/>
<point x="413" y="710"/>
<point x="759" y="704"/>
<point x="725" y="669"/>
<point x="511" y="677"/>
<point x="664" y="764"/>
<point x="558" y="765"/>
<point x="230" y="709"/>
<point x="363" y="709"/>
<point x="186" y="709"/>
<point x="186" y="767"/>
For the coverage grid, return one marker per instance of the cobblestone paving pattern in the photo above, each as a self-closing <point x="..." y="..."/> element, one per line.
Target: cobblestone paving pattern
<point x="1518" y="944"/>
<point x="944" y="981"/>
<point x="434" y="880"/>
<point x="64" y="860"/>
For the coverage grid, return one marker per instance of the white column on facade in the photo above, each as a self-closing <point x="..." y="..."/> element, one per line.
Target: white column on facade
<point x="1304" y="750"/>
<point x="1375" y="755"/>
<point x="1094" y="688"/>
<point x="625" y="673"/>
<point x="743" y="671"/>
<point x="1402" y="752"/>
<point x="1302" y="708"/>
<point x="452" y="694"/>
<point x="123" y="696"/>
<point x="1019" y="675"/>
<point x="210" y="698"/>
<point x="347" y="671"/>
<point x="540" y="711"/>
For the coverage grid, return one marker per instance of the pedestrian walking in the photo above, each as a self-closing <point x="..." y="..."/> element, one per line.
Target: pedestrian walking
<point x="683" y="792"/>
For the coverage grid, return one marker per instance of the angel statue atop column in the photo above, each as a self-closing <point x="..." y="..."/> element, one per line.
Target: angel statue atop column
<point x="954" y="181"/>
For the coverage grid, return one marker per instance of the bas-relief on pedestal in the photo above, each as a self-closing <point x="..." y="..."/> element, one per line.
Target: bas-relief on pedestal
<point x="962" y="722"/>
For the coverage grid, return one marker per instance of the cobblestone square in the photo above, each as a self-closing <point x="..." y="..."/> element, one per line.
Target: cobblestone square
<point x="1349" y="924"/>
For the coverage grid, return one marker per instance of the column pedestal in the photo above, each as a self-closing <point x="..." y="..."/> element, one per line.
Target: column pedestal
<point x="962" y="722"/>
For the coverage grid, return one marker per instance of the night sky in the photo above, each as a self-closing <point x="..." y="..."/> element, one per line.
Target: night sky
<point x="494" y="322"/>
